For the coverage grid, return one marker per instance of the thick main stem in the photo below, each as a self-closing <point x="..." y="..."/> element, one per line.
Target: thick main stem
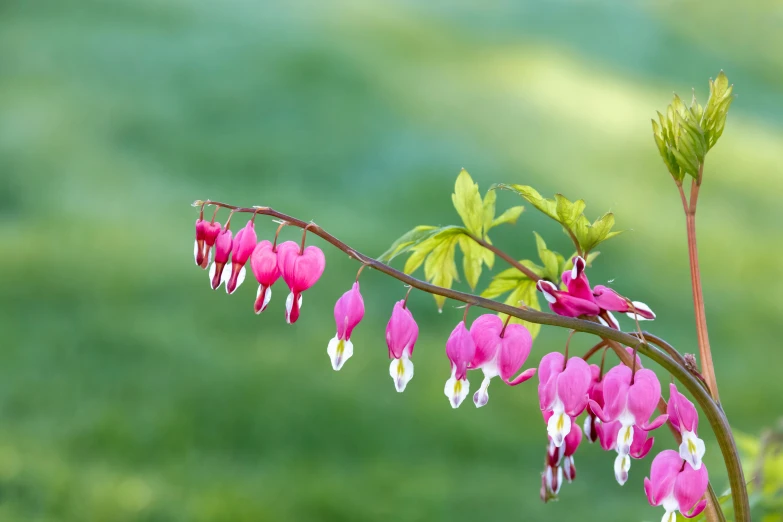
<point x="712" y="410"/>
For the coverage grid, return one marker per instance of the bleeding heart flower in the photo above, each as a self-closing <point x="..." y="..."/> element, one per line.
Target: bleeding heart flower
<point x="562" y="391"/>
<point x="500" y="351"/>
<point x="461" y="350"/>
<point x="244" y="243"/>
<point x="263" y="261"/>
<point x="222" y="252"/>
<point x="401" y="334"/>
<point x="565" y="304"/>
<point x="581" y="299"/>
<point x="676" y="486"/>
<point x="206" y="234"/>
<point x="348" y="312"/>
<point x="300" y="271"/>
<point x="683" y="416"/>
<point x="639" y="448"/>
<point x="631" y="399"/>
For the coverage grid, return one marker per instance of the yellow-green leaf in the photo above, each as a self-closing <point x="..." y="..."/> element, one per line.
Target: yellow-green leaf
<point x="553" y="262"/>
<point x="404" y="243"/>
<point x="473" y="255"/>
<point x="467" y="201"/>
<point x="440" y="268"/>
<point x="525" y="293"/>
<point x="489" y="210"/>
<point x="509" y="216"/>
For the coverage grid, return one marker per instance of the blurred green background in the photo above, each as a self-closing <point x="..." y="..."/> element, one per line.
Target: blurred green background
<point x="129" y="391"/>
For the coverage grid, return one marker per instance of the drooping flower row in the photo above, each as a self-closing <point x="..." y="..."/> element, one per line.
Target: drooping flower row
<point x="299" y="267"/>
<point x="618" y="405"/>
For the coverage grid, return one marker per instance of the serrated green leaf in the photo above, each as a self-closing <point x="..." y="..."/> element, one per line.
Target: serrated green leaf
<point x="553" y="262"/>
<point x="440" y="268"/>
<point x="406" y="241"/>
<point x="489" y="209"/>
<point x="509" y="279"/>
<point x="568" y="212"/>
<point x="467" y="202"/>
<point x="547" y="206"/>
<point x="525" y="293"/>
<point x="591" y="235"/>
<point x="509" y="216"/>
<point x="473" y="255"/>
<point x="423" y="248"/>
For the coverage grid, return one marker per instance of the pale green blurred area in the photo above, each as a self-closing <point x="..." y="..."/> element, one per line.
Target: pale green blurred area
<point x="129" y="391"/>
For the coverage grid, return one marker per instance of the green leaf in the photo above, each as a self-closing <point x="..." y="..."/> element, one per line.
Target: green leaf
<point x="408" y="240"/>
<point x="525" y="293"/>
<point x="521" y="288"/>
<point x="440" y="268"/>
<point x="487" y="255"/>
<point x="489" y="210"/>
<point x="568" y="212"/>
<point x="714" y="118"/>
<point x="467" y="201"/>
<point x="473" y="255"/>
<point x="547" y="206"/>
<point x="591" y="235"/>
<point x="423" y="248"/>
<point x="553" y="262"/>
<point x="509" y="216"/>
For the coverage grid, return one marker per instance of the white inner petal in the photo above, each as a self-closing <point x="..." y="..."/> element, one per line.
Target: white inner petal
<point x="621" y="466"/>
<point x="456" y="390"/>
<point x="212" y="270"/>
<point x="624" y="439"/>
<point x="692" y="449"/>
<point x="559" y="424"/>
<point x="481" y="397"/>
<point x="339" y="351"/>
<point x="195" y="251"/>
<point x="401" y="372"/>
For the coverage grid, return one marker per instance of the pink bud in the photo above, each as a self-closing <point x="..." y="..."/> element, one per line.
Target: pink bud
<point x="263" y="261"/>
<point x="460" y="349"/>
<point x="300" y="271"/>
<point x="576" y="280"/>
<point x="199" y="247"/>
<point x="242" y="247"/>
<point x="401" y="335"/>
<point x="348" y="312"/>
<point x="222" y="252"/>
<point x="683" y="416"/>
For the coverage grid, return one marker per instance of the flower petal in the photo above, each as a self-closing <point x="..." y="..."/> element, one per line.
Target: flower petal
<point x="401" y="372"/>
<point x="456" y="390"/>
<point x="690" y="486"/>
<point x="339" y="351"/>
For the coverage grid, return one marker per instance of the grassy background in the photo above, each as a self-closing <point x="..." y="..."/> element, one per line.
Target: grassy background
<point x="131" y="392"/>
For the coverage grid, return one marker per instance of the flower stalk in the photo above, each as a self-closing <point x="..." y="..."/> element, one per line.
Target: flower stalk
<point x="674" y="364"/>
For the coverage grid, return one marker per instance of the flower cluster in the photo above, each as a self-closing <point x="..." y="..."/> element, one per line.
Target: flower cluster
<point x="619" y="405"/>
<point x="300" y="267"/>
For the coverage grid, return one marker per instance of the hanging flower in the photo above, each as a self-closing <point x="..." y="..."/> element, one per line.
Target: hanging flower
<point x="562" y="391"/>
<point x="683" y="416"/>
<point x="300" y="269"/>
<point x="348" y="312"/>
<point x="263" y="262"/>
<point x="500" y="351"/>
<point x="676" y="486"/>
<point x="460" y="349"/>
<point x="244" y="243"/>
<point x="401" y="334"/>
